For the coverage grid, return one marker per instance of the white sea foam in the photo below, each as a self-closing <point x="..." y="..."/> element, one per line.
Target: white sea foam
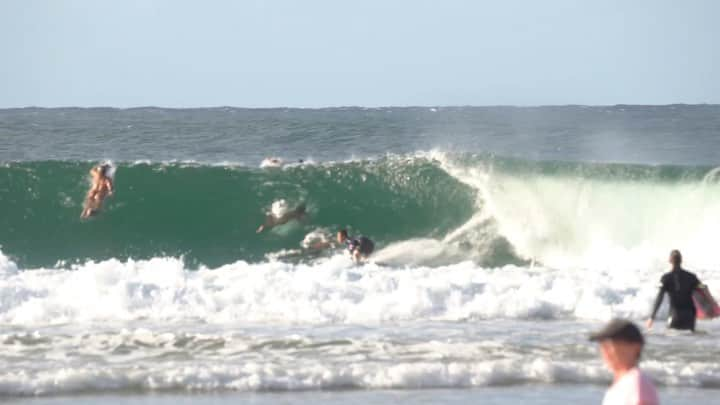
<point x="73" y="359"/>
<point x="308" y="374"/>
<point x="566" y="221"/>
<point x="272" y="162"/>
<point x="259" y="376"/>
<point x="279" y="208"/>
<point x="315" y="237"/>
<point x="329" y="290"/>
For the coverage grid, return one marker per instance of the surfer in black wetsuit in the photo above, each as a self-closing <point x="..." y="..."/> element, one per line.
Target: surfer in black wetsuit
<point x="679" y="285"/>
<point x="359" y="247"/>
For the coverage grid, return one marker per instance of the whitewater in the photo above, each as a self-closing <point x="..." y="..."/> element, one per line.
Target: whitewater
<point x="490" y="271"/>
<point x="156" y="326"/>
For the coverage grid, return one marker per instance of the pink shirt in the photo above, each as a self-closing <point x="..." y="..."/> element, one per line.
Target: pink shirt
<point x="633" y="388"/>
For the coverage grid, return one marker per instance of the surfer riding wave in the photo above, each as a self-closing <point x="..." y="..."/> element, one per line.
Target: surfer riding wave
<point x="102" y="186"/>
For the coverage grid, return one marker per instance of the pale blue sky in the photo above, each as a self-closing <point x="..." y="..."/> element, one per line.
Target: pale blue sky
<point x="313" y="53"/>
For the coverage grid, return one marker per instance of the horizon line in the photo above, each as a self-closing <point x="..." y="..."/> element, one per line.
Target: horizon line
<point x="340" y="107"/>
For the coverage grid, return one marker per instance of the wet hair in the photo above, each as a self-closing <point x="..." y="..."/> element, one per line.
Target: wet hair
<point x="676" y="257"/>
<point x="343" y="233"/>
<point x="103" y="169"/>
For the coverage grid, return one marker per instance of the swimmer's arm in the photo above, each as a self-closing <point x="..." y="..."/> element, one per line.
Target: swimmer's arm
<point x="269" y="223"/>
<point x="656" y="306"/>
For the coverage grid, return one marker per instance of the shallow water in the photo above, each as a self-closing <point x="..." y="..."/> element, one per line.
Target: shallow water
<point x="534" y="395"/>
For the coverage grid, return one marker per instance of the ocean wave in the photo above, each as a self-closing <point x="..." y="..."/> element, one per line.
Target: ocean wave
<point x="259" y="376"/>
<point x="423" y="209"/>
<point x="328" y="291"/>
<point x="313" y="375"/>
<point x="595" y="216"/>
<point x="209" y="214"/>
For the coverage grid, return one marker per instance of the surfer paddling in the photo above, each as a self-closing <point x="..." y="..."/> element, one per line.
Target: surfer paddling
<point x="102" y="186"/>
<point x="271" y="220"/>
<point x="679" y="285"/>
<point x="359" y="247"/>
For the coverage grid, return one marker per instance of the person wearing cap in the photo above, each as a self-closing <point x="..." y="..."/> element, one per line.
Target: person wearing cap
<point x="679" y="285"/>
<point x="621" y="344"/>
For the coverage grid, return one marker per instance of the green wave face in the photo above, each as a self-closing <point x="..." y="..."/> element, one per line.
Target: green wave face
<point x="209" y="214"/>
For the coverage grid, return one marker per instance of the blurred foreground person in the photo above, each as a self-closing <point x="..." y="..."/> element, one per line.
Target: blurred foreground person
<point x="621" y="344"/>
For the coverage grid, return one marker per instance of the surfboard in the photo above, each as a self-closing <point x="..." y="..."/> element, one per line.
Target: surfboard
<point x="705" y="305"/>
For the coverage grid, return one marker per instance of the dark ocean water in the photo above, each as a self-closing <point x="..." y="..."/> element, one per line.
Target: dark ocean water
<point x="676" y="134"/>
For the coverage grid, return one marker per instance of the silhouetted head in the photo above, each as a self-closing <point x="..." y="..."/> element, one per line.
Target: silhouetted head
<point x="675" y="259"/>
<point x="104" y="169"/>
<point x="342" y="235"/>
<point x="100" y="170"/>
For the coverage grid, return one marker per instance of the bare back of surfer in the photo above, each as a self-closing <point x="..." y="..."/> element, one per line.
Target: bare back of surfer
<point x="272" y="221"/>
<point x="101" y="187"/>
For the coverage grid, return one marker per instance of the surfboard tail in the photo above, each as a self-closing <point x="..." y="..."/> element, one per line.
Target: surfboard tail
<point x="705" y="305"/>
